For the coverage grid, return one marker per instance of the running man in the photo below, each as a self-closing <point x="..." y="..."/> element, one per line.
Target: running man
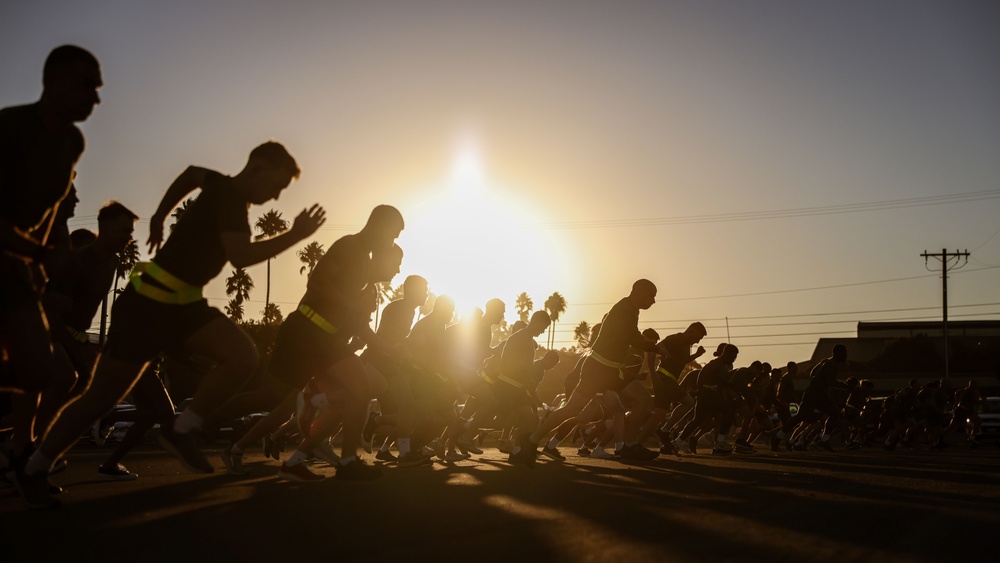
<point x="602" y="369"/>
<point x="163" y="310"/>
<point x="39" y="148"/>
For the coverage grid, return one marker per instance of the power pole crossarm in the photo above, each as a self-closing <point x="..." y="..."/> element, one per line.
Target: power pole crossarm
<point x="949" y="261"/>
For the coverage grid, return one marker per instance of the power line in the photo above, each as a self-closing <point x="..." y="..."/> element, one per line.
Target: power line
<point x="779" y="214"/>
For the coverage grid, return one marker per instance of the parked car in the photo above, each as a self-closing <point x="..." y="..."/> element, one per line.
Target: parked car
<point x="989" y="414"/>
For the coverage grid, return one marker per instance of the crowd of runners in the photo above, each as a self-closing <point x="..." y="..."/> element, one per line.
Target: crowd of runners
<point x="438" y="385"/>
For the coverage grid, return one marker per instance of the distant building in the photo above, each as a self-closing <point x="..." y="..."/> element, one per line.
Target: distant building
<point x="892" y="353"/>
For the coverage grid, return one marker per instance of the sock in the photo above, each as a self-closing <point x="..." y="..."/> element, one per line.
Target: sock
<point x="38" y="463"/>
<point x="404" y="445"/>
<point x="824" y="437"/>
<point x="319" y="400"/>
<point x="385" y="446"/>
<point x="619" y="446"/>
<point x="553" y="443"/>
<point x="720" y="439"/>
<point x="236" y="450"/>
<point x="187" y="421"/>
<point x="515" y="450"/>
<point x="298" y="457"/>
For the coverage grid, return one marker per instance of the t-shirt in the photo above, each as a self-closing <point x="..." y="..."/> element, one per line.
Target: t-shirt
<point x="36" y="165"/>
<point x="678" y="352"/>
<point x="619" y="331"/>
<point x="193" y="252"/>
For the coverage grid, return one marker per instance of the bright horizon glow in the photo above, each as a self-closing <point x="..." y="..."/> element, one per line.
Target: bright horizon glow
<point x="474" y="242"/>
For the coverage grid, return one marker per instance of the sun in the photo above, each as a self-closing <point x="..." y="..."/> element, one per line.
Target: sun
<point x="474" y="240"/>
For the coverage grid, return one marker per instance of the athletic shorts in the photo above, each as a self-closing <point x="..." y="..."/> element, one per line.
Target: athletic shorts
<point x="141" y="328"/>
<point x="597" y="377"/>
<point x="666" y="391"/>
<point x="510" y="397"/>
<point x="303" y="351"/>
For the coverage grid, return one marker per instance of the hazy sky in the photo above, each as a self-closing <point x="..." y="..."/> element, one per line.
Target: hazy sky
<point x="782" y="164"/>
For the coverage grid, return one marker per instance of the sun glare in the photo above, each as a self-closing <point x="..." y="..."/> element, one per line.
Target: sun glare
<point x="474" y="242"/>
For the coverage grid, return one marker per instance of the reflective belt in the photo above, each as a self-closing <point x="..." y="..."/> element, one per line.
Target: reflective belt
<point x="317" y="319"/>
<point x="667" y="373"/>
<point x="604" y="361"/>
<point x="178" y="291"/>
<point x="514" y="383"/>
<point x="78" y="335"/>
<point x="487" y="378"/>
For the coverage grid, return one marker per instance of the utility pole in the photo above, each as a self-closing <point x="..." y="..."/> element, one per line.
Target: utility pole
<point x="949" y="261"/>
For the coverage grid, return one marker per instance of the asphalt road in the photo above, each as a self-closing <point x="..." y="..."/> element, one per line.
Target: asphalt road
<point x="868" y="505"/>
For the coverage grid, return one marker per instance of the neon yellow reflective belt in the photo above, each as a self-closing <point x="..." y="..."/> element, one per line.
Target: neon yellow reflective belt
<point x="667" y="373"/>
<point x="604" y="361"/>
<point x="78" y="335"/>
<point x="487" y="378"/>
<point x="317" y="319"/>
<point x="514" y="383"/>
<point x="178" y="291"/>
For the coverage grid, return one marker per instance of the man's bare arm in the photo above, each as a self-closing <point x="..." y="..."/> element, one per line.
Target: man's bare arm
<point x="243" y="252"/>
<point x="191" y="179"/>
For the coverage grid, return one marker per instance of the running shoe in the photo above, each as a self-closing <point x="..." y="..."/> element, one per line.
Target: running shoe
<point x="369" y="431"/>
<point x="387" y="456"/>
<point x="601" y="453"/>
<point x="358" y="470"/>
<point x="324" y="451"/>
<point x="185" y="448"/>
<point x="553" y="453"/>
<point x="233" y="462"/>
<point x="454" y="456"/>
<point x="468" y="445"/>
<point x="680" y="446"/>
<point x="413" y="459"/>
<point x="584" y="451"/>
<point x="664" y="437"/>
<point x="267" y="445"/>
<point x="722" y="449"/>
<point x="798" y="447"/>
<point x="503" y="446"/>
<point x="117" y="473"/>
<point x="435" y="448"/>
<point x="299" y="472"/>
<point x="743" y="448"/>
<point x="825" y="445"/>
<point x="636" y="452"/>
<point x="854" y="446"/>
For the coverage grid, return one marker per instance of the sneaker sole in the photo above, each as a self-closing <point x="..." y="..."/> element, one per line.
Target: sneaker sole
<point x="167" y="445"/>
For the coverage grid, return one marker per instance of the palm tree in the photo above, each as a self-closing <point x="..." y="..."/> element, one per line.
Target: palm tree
<point x="127" y="259"/>
<point x="555" y="305"/>
<point x="235" y="310"/>
<point x="582" y="334"/>
<point x="310" y="255"/>
<point x="238" y="286"/>
<point x="269" y="225"/>
<point x="523" y="305"/>
<point x="271" y="314"/>
<point x="179" y="212"/>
